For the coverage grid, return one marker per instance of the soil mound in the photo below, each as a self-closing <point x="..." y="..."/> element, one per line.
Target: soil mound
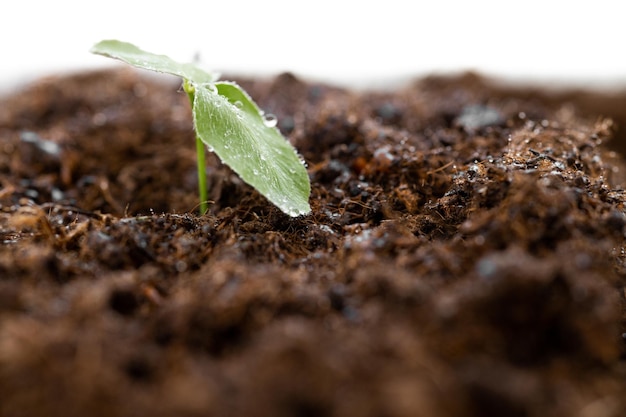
<point x="464" y="257"/>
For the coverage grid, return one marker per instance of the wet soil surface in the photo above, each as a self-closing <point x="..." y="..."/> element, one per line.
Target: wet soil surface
<point x="464" y="257"/>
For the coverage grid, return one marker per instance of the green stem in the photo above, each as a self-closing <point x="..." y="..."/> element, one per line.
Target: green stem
<point x="200" y="156"/>
<point x="202" y="190"/>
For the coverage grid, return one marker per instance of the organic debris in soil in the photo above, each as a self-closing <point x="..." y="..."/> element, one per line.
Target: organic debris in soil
<point x="464" y="257"/>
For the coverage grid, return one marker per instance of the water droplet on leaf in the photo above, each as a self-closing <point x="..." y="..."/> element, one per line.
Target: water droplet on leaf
<point x="210" y="87"/>
<point x="270" y="120"/>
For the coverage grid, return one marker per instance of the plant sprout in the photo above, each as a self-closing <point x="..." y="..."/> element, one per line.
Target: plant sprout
<point x="230" y="124"/>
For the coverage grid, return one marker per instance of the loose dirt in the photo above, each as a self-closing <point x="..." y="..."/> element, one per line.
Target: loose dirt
<point x="464" y="256"/>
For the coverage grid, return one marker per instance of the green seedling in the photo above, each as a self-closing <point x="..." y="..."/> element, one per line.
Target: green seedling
<point x="229" y="123"/>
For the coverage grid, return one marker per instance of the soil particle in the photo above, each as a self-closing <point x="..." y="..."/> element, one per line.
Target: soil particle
<point x="464" y="256"/>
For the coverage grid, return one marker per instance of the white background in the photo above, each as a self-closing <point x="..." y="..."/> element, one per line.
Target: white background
<point x="362" y="43"/>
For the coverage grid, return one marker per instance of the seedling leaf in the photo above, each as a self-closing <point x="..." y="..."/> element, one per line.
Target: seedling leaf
<point x="231" y="124"/>
<point x="129" y="53"/>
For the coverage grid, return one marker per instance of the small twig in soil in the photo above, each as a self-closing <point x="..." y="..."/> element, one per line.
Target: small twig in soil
<point x="441" y="168"/>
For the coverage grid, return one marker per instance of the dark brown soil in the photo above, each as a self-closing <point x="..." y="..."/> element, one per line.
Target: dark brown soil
<point x="465" y="255"/>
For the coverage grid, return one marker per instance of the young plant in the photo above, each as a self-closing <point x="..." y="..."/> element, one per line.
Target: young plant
<point x="230" y="124"/>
